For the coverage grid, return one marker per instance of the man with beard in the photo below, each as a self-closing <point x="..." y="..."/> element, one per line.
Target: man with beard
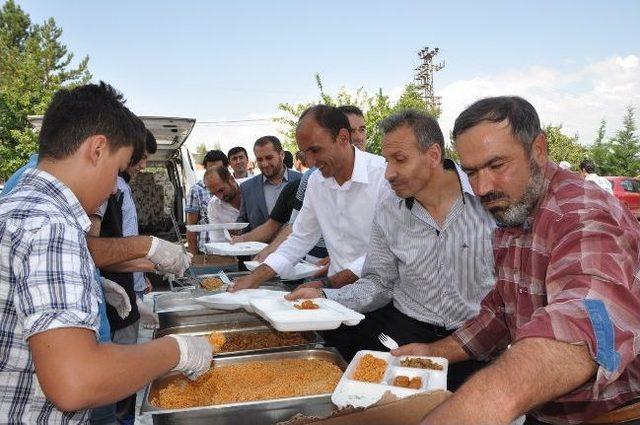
<point x="224" y="205"/>
<point x="429" y="261"/>
<point x="563" y="320"/>
<point x="260" y="193"/>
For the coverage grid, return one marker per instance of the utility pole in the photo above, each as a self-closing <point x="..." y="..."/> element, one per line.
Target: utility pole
<point x="424" y="77"/>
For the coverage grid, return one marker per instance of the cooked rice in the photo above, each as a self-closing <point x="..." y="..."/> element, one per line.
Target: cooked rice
<point x="217" y="340"/>
<point x="370" y="369"/>
<point x="258" y="380"/>
<point x="211" y="283"/>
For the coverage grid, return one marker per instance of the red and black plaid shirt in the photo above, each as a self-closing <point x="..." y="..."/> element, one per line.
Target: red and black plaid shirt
<point x="570" y="273"/>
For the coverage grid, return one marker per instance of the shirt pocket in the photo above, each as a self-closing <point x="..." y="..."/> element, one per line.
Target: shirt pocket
<point x="530" y="295"/>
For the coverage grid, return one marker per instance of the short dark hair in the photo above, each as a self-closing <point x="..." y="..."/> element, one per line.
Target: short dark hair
<point x="265" y="140"/>
<point x="588" y="166"/>
<point x="351" y="110"/>
<point x="236" y="150"/>
<point x="214" y="156"/>
<point x="150" y="147"/>
<point x="328" y="117"/>
<point x="288" y="159"/>
<point x="300" y="156"/>
<point x="521" y="115"/>
<point x="76" y="114"/>
<point x="424" y="127"/>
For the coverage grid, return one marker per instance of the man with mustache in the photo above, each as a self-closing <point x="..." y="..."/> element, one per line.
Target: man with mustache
<point x="224" y="205"/>
<point x="563" y="321"/>
<point x="339" y="201"/>
<point x="429" y="261"/>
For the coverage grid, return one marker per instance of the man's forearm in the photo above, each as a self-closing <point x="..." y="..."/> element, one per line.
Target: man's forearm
<point x="532" y="372"/>
<point x="282" y="236"/>
<point x="109" y="251"/>
<point x="342" y="278"/>
<point x="76" y="372"/>
<point x="263" y="233"/>
<point x="136" y="265"/>
<point x="192" y="237"/>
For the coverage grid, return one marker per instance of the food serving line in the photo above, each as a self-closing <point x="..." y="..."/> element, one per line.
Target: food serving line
<point x="265" y="334"/>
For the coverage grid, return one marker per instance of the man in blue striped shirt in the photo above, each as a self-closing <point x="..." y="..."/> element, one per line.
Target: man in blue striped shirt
<point x="429" y="262"/>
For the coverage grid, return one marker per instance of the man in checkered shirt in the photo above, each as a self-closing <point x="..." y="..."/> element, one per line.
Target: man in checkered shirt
<point x="562" y="323"/>
<point x="52" y="369"/>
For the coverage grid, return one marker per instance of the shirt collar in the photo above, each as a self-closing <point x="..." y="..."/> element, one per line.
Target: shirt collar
<point x="285" y="177"/>
<point x="360" y="172"/>
<point x="465" y="186"/>
<point x="45" y="182"/>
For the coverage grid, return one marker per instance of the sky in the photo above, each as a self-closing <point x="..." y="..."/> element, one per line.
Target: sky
<point x="221" y="61"/>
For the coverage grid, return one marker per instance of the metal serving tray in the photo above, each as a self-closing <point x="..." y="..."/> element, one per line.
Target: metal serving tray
<point x="248" y="413"/>
<point x="313" y="339"/>
<point x="198" y="317"/>
<point x="182" y="284"/>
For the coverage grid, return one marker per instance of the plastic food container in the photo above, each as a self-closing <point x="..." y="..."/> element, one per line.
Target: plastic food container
<point x="351" y="392"/>
<point x="285" y="317"/>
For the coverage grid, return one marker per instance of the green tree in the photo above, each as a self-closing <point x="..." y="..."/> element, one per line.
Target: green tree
<point x="599" y="151"/>
<point x="375" y="108"/>
<point x="201" y="149"/>
<point x="34" y="64"/>
<point x="623" y="150"/>
<point x="562" y="147"/>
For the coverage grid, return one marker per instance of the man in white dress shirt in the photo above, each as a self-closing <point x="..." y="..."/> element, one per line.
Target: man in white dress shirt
<point x="224" y="205"/>
<point x="588" y="172"/>
<point x="339" y="204"/>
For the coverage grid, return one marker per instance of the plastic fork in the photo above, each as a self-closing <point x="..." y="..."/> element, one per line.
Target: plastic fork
<point x="387" y="341"/>
<point x="227" y="235"/>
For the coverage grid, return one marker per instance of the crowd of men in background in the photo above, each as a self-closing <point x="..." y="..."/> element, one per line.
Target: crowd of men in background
<point x="522" y="274"/>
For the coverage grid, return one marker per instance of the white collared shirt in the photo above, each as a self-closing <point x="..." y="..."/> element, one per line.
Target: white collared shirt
<point x="220" y="212"/>
<point x="600" y="181"/>
<point x="343" y="215"/>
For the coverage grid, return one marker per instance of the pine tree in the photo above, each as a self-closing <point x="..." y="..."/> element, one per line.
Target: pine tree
<point x="34" y="64"/>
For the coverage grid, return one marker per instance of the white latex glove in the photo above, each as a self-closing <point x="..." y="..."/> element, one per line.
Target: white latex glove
<point x="116" y="297"/>
<point x="196" y="354"/>
<point x="148" y="318"/>
<point x="169" y="258"/>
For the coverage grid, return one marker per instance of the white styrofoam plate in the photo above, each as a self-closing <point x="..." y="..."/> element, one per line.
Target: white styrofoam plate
<point x="350" y="392"/>
<point x="301" y="270"/>
<point x="240" y="299"/>
<point x="286" y="318"/>
<point x="215" y="226"/>
<point x="236" y="249"/>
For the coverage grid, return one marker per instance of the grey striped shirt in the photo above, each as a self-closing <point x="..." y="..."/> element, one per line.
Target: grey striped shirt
<point x="433" y="274"/>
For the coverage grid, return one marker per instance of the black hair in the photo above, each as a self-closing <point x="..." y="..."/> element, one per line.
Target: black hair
<point x="521" y="115"/>
<point x="328" y="117"/>
<point x="351" y="110"/>
<point x="214" y="156"/>
<point x="265" y="140"/>
<point x="237" y="150"/>
<point x="588" y="166"/>
<point x="288" y="159"/>
<point x="424" y="127"/>
<point x="150" y="147"/>
<point x="84" y="111"/>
